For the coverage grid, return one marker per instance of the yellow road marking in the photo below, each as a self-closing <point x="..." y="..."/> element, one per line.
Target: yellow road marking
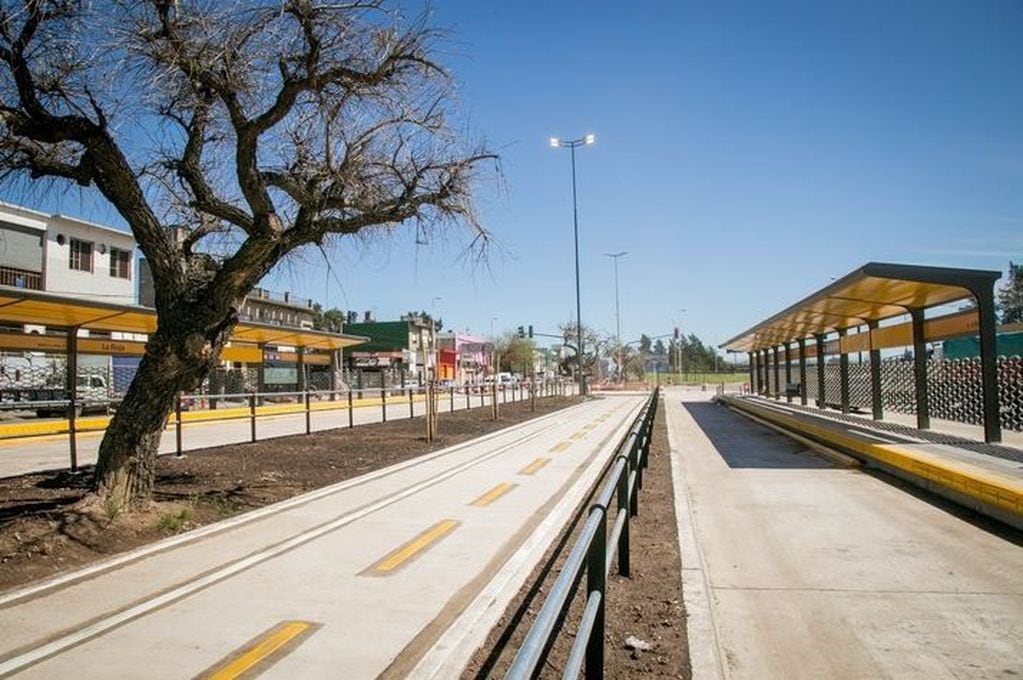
<point x="414" y="547"/>
<point x="492" y="495"/>
<point x="589" y="426"/>
<point x="264" y="650"/>
<point x="534" y="466"/>
<point x="578" y="435"/>
<point x="560" y="446"/>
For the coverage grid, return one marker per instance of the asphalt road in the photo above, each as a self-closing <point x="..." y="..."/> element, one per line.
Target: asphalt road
<point x="795" y="568"/>
<point x="51" y="452"/>
<point x="402" y="571"/>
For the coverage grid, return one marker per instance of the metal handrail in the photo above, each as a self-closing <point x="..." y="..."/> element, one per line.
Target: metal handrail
<point x="591" y="551"/>
<point x="345" y="400"/>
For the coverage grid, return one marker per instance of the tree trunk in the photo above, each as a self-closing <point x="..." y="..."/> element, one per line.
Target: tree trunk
<point x="175" y="360"/>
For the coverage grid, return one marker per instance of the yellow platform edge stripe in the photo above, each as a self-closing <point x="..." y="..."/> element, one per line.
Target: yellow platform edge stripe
<point x="413" y="548"/>
<point x="262" y="651"/>
<point x="1002" y="492"/>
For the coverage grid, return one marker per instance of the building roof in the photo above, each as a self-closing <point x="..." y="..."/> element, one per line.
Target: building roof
<point x="384" y="336"/>
<point x="49" y="217"/>
<point x="874" y="292"/>
<point x="46" y="309"/>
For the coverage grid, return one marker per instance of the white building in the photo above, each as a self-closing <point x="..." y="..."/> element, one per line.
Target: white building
<point x="66" y="256"/>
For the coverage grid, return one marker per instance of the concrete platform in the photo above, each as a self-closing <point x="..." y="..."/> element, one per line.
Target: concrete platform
<point x="796" y="568"/>
<point x="987" y="478"/>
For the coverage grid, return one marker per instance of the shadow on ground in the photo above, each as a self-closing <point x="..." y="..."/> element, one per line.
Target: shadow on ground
<point x="741" y="443"/>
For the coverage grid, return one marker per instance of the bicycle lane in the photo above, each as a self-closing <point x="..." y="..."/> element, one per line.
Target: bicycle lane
<point x="374" y="565"/>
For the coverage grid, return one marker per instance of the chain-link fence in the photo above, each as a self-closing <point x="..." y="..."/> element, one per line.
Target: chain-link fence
<point x="954" y="388"/>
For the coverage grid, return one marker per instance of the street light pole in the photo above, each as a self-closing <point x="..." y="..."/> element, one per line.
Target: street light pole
<point x="571" y="145"/>
<point x="618" y="318"/>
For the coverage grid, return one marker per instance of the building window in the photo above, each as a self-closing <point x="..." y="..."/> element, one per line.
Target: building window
<point x="81" y="255"/>
<point x="120" y="263"/>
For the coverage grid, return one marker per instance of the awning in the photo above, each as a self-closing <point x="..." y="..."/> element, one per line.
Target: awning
<point x="874" y="292"/>
<point x="45" y="309"/>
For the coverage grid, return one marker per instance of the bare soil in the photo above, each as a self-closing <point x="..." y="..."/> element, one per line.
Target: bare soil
<point x="648" y="605"/>
<point x="48" y="525"/>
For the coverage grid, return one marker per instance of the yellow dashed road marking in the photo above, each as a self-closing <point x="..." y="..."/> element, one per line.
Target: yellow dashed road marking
<point x="492" y="495"/>
<point x="534" y="466"/>
<point x="560" y="446"/>
<point x="413" y="548"/>
<point x="262" y="651"/>
<point x="578" y="435"/>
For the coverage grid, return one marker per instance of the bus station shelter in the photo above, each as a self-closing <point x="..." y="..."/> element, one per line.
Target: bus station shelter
<point x="863" y="301"/>
<point x="247" y="344"/>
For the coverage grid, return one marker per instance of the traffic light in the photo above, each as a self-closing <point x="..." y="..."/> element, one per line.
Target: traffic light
<point x="522" y="331"/>
<point x="530" y="330"/>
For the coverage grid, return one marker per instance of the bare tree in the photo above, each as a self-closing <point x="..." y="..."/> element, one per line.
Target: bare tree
<point x="227" y="135"/>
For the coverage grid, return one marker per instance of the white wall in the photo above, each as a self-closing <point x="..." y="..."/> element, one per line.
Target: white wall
<point x="98" y="284"/>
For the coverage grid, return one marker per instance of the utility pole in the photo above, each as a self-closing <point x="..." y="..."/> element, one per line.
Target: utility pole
<point x="618" y="318"/>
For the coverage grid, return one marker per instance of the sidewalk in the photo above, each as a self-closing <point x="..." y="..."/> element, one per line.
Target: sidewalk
<point x="812" y="571"/>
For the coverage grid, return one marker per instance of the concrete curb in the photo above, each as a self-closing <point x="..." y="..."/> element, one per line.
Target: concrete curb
<point x="701" y="631"/>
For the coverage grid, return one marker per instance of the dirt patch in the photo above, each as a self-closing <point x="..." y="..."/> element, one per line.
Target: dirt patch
<point x="647" y="606"/>
<point x="44" y="528"/>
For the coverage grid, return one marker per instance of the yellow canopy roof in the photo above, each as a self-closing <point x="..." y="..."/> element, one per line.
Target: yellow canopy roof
<point x="45" y="309"/>
<point x="873" y="292"/>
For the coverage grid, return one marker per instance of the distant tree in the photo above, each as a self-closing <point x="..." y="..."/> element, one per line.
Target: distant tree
<point x="331" y="320"/>
<point x="659" y="348"/>
<point x="427" y="318"/>
<point x="228" y="135"/>
<point x="515" y="354"/>
<point x="592" y="342"/>
<point x="645" y="344"/>
<point x="1010" y="295"/>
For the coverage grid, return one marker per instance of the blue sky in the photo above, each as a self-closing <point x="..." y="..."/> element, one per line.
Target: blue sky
<point x="746" y="153"/>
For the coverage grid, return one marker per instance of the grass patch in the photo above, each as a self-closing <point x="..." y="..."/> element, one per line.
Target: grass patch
<point x="174" y="522"/>
<point x="112" y="509"/>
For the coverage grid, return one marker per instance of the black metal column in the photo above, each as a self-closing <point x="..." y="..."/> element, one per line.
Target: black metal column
<point x="788" y="372"/>
<point x="822" y="401"/>
<point x="923" y="408"/>
<point x="777" y="375"/>
<point x="875" y="375"/>
<point x="756" y="365"/>
<point x="843" y="372"/>
<point x="752" y="374"/>
<point x="767" y="372"/>
<point x="989" y="364"/>
<point x="802" y="371"/>
<point x="71" y="384"/>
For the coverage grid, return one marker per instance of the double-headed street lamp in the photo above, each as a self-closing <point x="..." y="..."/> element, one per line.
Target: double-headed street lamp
<point x="618" y="318"/>
<point x="571" y="145"/>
